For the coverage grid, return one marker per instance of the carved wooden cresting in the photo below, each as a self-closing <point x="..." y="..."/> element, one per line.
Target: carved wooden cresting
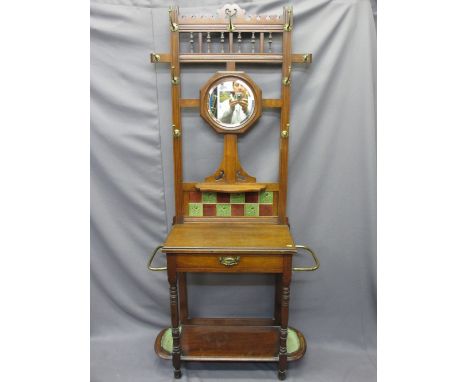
<point x="229" y="222"/>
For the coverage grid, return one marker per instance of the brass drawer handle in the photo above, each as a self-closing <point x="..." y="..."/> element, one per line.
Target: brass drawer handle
<point x="151" y="260"/>
<point x="314" y="256"/>
<point x="229" y="261"/>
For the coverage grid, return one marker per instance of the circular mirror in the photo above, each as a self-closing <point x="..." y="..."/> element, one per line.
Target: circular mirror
<point x="230" y="102"/>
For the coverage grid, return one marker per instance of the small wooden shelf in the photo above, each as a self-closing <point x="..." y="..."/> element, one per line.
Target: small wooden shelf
<point x="230" y="343"/>
<point x="230" y="188"/>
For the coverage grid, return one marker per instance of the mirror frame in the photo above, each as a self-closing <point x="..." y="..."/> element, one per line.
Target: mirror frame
<point x="215" y="80"/>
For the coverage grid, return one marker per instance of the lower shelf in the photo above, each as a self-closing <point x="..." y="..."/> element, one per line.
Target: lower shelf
<point x="230" y="343"/>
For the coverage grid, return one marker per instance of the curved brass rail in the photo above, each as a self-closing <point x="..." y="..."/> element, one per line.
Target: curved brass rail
<point x="314" y="256"/>
<point x="151" y="260"/>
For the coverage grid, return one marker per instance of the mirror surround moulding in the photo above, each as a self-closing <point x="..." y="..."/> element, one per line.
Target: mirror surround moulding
<point x="230" y="76"/>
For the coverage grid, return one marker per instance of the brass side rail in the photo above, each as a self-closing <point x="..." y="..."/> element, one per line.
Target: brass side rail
<point x="155" y="269"/>
<point x="314" y="256"/>
<point x="295" y="269"/>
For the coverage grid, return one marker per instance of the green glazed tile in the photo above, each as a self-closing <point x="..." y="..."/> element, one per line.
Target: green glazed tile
<point x="251" y="209"/>
<point x="266" y="197"/>
<point x="238" y="198"/>
<point x="292" y="343"/>
<point x="209" y="197"/>
<point x="195" y="209"/>
<point x="223" y="209"/>
<point x="166" y="340"/>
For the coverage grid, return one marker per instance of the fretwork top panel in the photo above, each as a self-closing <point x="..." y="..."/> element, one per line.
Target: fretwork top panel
<point x="212" y="20"/>
<point x="232" y="18"/>
<point x="236" y="15"/>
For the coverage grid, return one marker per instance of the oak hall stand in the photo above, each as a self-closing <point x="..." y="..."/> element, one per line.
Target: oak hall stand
<point x="230" y="223"/>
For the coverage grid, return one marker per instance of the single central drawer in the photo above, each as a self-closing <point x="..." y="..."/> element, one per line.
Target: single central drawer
<point x="229" y="263"/>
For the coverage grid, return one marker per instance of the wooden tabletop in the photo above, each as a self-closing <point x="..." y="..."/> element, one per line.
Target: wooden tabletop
<point x="229" y="237"/>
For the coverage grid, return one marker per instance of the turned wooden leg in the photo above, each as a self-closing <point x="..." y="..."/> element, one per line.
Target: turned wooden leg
<point x="174" y="298"/>
<point x="278" y="297"/>
<point x="283" y="352"/>
<point x="183" y="303"/>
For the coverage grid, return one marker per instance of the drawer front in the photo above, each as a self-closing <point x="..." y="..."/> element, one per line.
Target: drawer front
<point x="230" y="263"/>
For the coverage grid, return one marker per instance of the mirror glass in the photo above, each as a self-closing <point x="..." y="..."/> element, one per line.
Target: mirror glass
<point x="231" y="103"/>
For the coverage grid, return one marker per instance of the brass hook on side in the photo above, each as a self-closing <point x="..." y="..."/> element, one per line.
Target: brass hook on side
<point x="176" y="132"/>
<point x="172" y="25"/>
<point x="287" y="79"/>
<point x="174" y="80"/>
<point x="155" y="58"/>
<point x="288" y="26"/>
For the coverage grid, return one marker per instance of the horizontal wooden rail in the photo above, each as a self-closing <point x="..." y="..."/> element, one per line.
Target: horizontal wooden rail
<point x="267" y="103"/>
<point x="260" y="58"/>
<point x="253" y="27"/>
<point x="190" y="102"/>
<point x="160" y="57"/>
<point x="266" y="58"/>
<point x="301" y="58"/>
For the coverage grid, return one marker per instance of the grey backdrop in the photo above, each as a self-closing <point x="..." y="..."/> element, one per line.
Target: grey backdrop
<point x="331" y="200"/>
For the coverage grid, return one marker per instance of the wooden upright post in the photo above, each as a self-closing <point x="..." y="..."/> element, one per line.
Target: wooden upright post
<point x="176" y="119"/>
<point x="284" y="120"/>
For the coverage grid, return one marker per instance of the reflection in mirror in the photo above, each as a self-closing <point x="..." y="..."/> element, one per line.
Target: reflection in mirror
<point x="231" y="103"/>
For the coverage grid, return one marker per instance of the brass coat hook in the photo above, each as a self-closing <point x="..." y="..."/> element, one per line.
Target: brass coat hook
<point x="288" y="26"/>
<point x="230" y="14"/>
<point x="287" y="79"/>
<point x="172" y="25"/>
<point x="174" y="80"/>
